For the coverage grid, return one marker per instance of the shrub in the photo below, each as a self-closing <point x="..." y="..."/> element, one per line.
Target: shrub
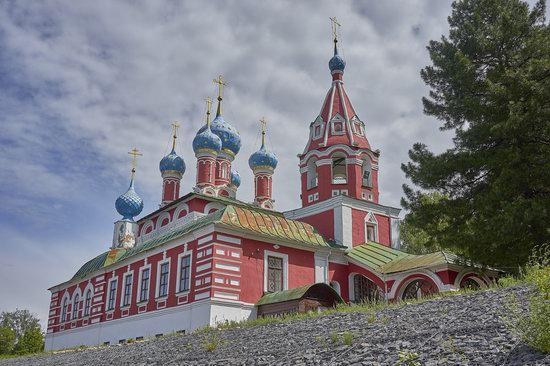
<point x="347" y="338"/>
<point x="534" y="326"/>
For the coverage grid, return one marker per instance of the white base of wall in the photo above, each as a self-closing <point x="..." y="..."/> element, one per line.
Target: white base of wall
<point x="184" y="317"/>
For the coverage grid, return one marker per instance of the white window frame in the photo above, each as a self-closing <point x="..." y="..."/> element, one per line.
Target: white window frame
<point x="85" y="309"/>
<point x="64" y="306"/>
<point x="123" y="288"/>
<point x="338" y="119"/>
<point x="370" y="220"/>
<point x="79" y="293"/>
<point x="180" y="256"/>
<point x="108" y="297"/>
<point x="312" y="163"/>
<point x="138" y="295"/>
<point x="157" y="288"/>
<point x="321" y="130"/>
<point x="284" y="257"/>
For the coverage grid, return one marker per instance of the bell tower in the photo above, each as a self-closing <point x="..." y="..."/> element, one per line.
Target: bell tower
<point x="338" y="158"/>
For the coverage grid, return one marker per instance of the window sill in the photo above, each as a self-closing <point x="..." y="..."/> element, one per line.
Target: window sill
<point x="142" y="302"/>
<point x="125" y="307"/>
<point x="310" y="188"/>
<point x="161" y="298"/>
<point x="184" y="292"/>
<point x="339" y="183"/>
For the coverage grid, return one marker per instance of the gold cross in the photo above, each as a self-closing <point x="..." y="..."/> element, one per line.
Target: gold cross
<point x="208" y="106"/>
<point x="175" y="127"/>
<point x="135" y="153"/>
<point x="220" y="83"/>
<point x="335" y="28"/>
<point x="263" y="122"/>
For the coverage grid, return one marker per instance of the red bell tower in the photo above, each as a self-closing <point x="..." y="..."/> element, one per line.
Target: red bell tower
<point x="338" y="159"/>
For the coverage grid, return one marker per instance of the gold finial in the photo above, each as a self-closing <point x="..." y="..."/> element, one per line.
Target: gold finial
<point x="208" y="106"/>
<point x="263" y="122"/>
<point x="220" y="83"/>
<point x="135" y="153"/>
<point x="175" y="127"/>
<point x="335" y="28"/>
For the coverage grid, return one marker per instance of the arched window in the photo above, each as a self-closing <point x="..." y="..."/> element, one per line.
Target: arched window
<point x="339" y="169"/>
<point x="76" y="305"/>
<point x="87" y="302"/>
<point x="418" y="289"/>
<point x="312" y="173"/>
<point x="64" y="309"/>
<point x="470" y="284"/>
<point x="365" y="290"/>
<point x="336" y="286"/>
<point x="367" y="172"/>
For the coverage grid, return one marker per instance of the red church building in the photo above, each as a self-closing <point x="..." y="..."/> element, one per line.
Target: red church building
<point x="207" y="257"/>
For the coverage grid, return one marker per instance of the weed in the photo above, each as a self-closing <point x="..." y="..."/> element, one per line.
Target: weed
<point x="347" y="338"/>
<point x="334" y="337"/>
<point x="212" y="342"/>
<point x="407" y="358"/>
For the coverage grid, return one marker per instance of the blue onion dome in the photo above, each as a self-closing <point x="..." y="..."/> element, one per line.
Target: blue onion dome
<point x="129" y="204"/>
<point x="206" y="140"/>
<point x="172" y="162"/>
<point x="230" y="137"/>
<point x="262" y="158"/>
<point x="336" y="62"/>
<point x="235" y="178"/>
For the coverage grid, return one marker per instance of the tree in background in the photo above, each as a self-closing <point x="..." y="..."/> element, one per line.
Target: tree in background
<point x="416" y="240"/>
<point x="32" y="341"/>
<point x="490" y="83"/>
<point x="20" y="333"/>
<point x="7" y="340"/>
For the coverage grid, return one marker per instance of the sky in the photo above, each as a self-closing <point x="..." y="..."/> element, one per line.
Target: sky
<point x="83" y="82"/>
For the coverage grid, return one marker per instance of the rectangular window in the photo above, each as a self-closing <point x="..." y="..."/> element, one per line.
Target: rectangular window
<point x="127" y="290"/>
<point x="144" y="293"/>
<point x="370" y="233"/>
<point x="185" y="272"/>
<point x="64" y="311"/>
<point x="163" y="281"/>
<point x="112" y="295"/>
<point x="274" y="274"/>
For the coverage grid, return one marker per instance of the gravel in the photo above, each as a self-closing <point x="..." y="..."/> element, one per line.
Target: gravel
<point x="456" y="330"/>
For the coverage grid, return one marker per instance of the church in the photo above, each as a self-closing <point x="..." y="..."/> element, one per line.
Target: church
<point x="205" y="257"/>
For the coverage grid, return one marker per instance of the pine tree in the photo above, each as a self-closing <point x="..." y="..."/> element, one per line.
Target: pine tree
<point x="490" y="83"/>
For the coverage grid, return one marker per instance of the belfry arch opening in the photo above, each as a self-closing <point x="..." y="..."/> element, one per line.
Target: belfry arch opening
<point x="366" y="175"/>
<point x="312" y="175"/>
<point x="339" y="169"/>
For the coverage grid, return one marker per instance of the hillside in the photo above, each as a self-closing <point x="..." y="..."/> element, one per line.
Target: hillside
<point x="456" y="330"/>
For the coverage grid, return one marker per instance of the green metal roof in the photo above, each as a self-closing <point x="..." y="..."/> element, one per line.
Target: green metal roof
<point x="270" y="225"/>
<point x="293" y="294"/>
<point x="375" y="255"/>
<point x="388" y="260"/>
<point x="257" y="221"/>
